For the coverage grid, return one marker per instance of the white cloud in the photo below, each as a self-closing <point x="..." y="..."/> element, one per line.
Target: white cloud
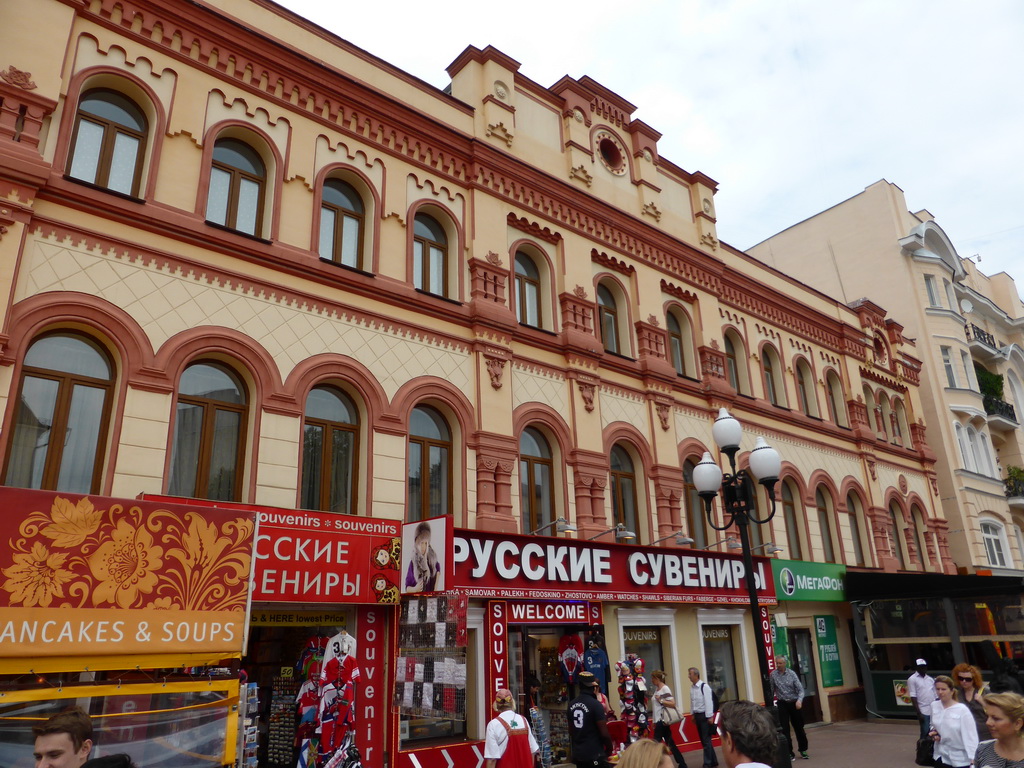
<point x="791" y="105"/>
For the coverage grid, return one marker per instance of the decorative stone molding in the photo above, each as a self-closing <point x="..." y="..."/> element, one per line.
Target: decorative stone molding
<point x="650" y="209"/>
<point x="500" y="132"/>
<point x="18" y="78"/>
<point x="871" y="467"/>
<point x="587" y="392"/>
<point x="709" y="240"/>
<point x="610" y="262"/>
<point x="664" y="411"/>
<point x="712" y="363"/>
<point x="533" y="229"/>
<point x="674" y="290"/>
<point x="579" y="172"/>
<point x="495" y="367"/>
<point x="487" y="279"/>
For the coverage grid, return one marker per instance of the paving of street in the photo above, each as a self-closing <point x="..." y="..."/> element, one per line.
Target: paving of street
<point x="853" y="744"/>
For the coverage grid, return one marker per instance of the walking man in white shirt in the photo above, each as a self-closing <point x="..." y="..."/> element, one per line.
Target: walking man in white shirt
<point x="921" y="688"/>
<point x="702" y="707"/>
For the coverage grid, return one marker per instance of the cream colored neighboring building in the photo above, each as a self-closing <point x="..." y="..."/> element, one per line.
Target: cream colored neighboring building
<point x="872" y="246"/>
<point x="273" y="260"/>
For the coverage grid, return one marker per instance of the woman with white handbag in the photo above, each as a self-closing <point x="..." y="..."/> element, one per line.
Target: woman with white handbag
<point x="666" y="714"/>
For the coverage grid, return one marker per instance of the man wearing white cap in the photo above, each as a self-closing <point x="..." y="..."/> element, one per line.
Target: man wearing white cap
<point x="921" y="687"/>
<point x="509" y="742"/>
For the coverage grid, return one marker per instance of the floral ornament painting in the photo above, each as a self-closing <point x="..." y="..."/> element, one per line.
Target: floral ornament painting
<point x="127" y="555"/>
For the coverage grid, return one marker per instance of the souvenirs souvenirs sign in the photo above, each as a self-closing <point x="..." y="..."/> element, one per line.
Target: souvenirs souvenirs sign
<point x="318" y="557"/>
<point x="548" y="568"/>
<point x="103" y="577"/>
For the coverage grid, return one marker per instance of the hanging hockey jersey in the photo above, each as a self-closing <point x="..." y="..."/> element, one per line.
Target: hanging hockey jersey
<point x="570" y="652"/>
<point x="595" y="661"/>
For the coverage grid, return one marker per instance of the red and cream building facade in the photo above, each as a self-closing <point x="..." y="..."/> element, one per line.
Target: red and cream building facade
<point x="245" y="261"/>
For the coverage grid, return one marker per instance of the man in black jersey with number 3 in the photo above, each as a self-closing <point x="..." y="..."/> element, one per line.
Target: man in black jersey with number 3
<point x="588" y="731"/>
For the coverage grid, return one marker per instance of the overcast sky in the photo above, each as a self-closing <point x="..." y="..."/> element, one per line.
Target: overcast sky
<point x="791" y="106"/>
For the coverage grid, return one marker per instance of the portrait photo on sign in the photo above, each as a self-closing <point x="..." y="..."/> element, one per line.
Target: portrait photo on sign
<point x="424" y="555"/>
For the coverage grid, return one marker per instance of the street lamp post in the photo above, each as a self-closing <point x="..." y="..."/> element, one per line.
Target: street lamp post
<point x="739" y="503"/>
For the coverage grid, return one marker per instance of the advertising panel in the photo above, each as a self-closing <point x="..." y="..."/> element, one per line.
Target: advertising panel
<point x="319" y="557"/>
<point x="426" y="555"/>
<point x="799" y="580"/>
<point x="505" y="566"/>
<point x="109" y="578"/>
<point x="828" y="651"/>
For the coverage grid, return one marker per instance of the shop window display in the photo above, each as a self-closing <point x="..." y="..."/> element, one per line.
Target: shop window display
<point x="720" y="656"/>
<point x="430" y="671"/>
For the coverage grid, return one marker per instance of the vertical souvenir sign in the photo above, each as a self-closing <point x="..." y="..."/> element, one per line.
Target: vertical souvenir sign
<point x="372" y="706"/>
<point x="765" y="635"/>
<point x="497" y="647"/>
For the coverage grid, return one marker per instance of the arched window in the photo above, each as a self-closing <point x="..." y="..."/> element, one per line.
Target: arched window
<point x="900" y="428"/>
<point x="109" y="142"/>
<point x="774" y="391"/>
<point x="208" y="450"/>
<point x="429" y="256"/>
<point x="696" y="522"/>
<point x="60" y="423"/>
<point x="608" y="319"/>
<point x="853" y="507"/>
<point x="885" y="411"/>
<point x="528" y="310"/>
<point x="823" y="501"/>
<point x="680" y="343"/>
<point x="896" y="535"/>
<point x="341" y="224"/>
<point x="789" y="514"/>
<point x="920" y="535"/>
<point x="736" y="362"/>
<point x="805" y="389"/>
<point x="535" y="480"/>
<point x="836" y="399"/>
<point x="623" y="489"/>
<point x="430" y="465"/>
<point x="994" y="539"/>
<point x="330" y="444"/>
<point x="237" y="186"/>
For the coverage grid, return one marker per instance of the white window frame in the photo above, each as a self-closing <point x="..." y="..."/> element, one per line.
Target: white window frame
<point x="993" y="536"/>
<point x="933" y="291"/>
<point x="970" y="376"/>
<point x="654" y="617"/>
<point x="733" y="618"/>
<point x="950" y="295"/>
<point x="947" y="363"/>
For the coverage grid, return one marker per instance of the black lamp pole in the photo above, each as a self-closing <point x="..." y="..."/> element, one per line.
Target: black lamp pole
<point x="739" y="504"/>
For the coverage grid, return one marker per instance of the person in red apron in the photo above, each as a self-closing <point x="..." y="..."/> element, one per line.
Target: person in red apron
<point x="509" y="742"/>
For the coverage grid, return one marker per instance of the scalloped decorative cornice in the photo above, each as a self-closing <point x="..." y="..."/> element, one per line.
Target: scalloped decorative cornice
<point x="533" y="228"/>
<point x="610" y="262"/>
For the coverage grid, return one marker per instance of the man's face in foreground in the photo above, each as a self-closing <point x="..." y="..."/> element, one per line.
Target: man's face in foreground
<point x="56" y="750"/>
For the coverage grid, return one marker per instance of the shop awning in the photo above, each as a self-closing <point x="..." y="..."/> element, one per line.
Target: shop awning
<point x="861" y="585"/>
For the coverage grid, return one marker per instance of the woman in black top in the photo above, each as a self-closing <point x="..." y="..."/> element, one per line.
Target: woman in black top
<point x="968" y="678"/>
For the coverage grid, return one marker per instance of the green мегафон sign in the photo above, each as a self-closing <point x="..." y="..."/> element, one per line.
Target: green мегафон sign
<point x="797" y="580"/>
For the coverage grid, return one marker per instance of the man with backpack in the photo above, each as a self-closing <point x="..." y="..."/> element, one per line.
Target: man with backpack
<point x="703" y="707"/>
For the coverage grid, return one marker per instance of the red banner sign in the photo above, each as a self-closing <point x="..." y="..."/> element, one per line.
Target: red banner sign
<point x="89" y="575"/>
<point x="318" y="557"/>
<point x="534" y="568"/>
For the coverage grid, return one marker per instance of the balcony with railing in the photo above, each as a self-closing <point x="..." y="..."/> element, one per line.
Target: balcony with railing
<point x="1015" y="492"/>
<point x="1001" y="415"/>
<point x="982" y="343"/>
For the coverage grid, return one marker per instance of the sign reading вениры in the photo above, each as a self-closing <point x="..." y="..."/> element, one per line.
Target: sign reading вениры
<point x="798" y="580"/>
